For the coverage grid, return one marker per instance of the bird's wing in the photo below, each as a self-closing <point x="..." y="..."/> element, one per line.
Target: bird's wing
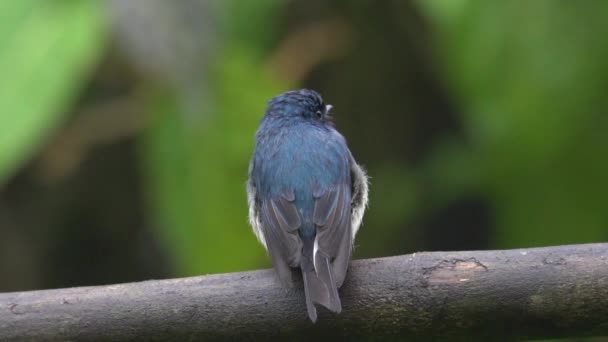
<point x="333" y="243"/>
<point x="280" y="221"/>
<point x="275" y="223"/>
<point x="338" y="214"/>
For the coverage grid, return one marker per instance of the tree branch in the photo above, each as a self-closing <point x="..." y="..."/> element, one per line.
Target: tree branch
<point x="511" y="294"/>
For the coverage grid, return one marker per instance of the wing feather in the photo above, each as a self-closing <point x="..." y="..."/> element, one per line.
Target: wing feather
<point x="280" y="237"/>
<point x="333" y="240"/>
<point x="286" y="213"/>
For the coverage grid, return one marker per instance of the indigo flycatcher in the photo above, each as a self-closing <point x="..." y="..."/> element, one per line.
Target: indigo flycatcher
<point x="306" y="195"/>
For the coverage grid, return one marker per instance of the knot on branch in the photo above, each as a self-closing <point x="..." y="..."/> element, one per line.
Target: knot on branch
<point x="453" y="271"/>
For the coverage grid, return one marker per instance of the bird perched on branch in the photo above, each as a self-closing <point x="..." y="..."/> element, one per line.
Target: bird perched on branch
<point x="306" y="195"/>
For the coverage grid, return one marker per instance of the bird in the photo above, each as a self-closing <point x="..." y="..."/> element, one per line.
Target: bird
<point x="306" y="195"/>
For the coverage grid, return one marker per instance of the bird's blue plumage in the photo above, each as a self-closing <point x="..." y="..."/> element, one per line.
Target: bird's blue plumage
<point x="306" y="194"/>
<point x="292" y="154"/>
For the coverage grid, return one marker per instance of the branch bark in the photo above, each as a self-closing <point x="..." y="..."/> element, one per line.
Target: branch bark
<point x="492" y="295"/>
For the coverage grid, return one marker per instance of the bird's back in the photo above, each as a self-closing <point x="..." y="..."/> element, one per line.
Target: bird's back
<point x="302" y="158"/>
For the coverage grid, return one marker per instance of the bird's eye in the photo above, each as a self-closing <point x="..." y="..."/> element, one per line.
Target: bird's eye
<point x="319" y="114"/>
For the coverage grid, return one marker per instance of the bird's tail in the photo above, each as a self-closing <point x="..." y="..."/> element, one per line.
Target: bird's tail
<point x="320" y="287"/>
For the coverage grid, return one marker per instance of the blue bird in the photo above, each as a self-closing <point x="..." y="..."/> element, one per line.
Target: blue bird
<point x="306" y="195"/>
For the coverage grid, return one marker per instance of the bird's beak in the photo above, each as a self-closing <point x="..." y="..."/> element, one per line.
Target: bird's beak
<point x="328" y="108"/>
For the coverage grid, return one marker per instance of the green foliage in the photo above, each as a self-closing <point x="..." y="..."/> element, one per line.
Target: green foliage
<point x="46" y="50"/>
<point x="528" y="78"/>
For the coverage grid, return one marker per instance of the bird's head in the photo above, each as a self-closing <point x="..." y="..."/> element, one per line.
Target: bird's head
<point x="303" y="103"/>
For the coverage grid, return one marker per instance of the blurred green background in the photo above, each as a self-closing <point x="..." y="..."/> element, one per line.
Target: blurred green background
<point x="126" y="127"/>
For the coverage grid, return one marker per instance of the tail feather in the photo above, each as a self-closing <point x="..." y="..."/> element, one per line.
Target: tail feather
<point x="320" y="288"/>
<point x="325" y="274"/>
<point x="314" y="292"/>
